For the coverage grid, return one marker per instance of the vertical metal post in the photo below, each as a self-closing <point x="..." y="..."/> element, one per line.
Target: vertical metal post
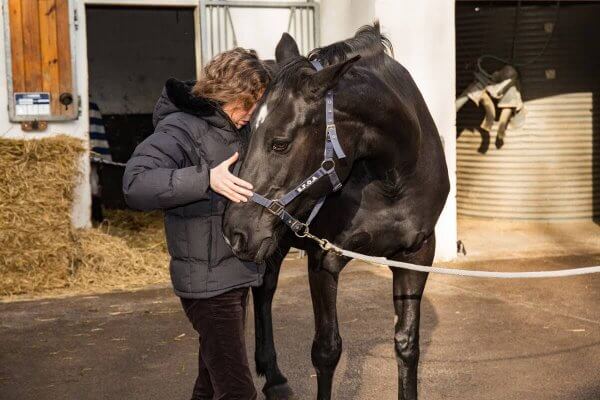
<point x="218" y="10"/>
<point x="226" y="27"/>
<point x="307" y="28"/>
<point x="295" y="23"/>
<point x="212" y="31"/>
<point x="203" y="32"/>
<point x="233" y="36"/>
<point x="292" y="12"/>
<point x="198" y="41"/>
<point x="317" y="24"/>
<point x="302" y="40"/>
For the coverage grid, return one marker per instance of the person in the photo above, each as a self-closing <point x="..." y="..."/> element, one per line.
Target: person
<point x="184" y="169"/>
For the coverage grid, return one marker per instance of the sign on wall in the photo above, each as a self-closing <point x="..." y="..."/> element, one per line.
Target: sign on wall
<point x="41" y="82"/>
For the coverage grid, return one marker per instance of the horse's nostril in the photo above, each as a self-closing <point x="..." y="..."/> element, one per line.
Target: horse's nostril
<point x="238" y="242"/>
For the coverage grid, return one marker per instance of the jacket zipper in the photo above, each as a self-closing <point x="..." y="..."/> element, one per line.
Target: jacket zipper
<point x="210" y="242"/>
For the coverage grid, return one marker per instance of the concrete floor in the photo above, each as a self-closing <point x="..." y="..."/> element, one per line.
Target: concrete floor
<point x="505" y="239"/>
<point x="481" y="339"/>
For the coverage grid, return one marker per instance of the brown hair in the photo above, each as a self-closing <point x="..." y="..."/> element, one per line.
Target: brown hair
<point x="233" y="75"/>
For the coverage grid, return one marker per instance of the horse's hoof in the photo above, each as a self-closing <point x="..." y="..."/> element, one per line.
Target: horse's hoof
<point x="279" y="392"/>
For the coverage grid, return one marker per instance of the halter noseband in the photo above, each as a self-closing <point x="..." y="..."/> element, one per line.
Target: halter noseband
<point x="327" y="168"/>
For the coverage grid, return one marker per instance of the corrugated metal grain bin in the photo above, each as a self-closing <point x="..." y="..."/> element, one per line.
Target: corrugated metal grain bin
<point x="548" y="168"/>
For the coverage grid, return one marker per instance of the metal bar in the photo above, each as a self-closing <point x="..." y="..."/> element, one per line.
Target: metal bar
<point x="307" y="29"/>
<point x="311" y="32"/>
<point x="212" y="32"/>
<point x="313" y="43"/>
<point x="292" y="12"/>
<point x="317" y="24"/>
<point x="299" y="30"/>
<point x="197" y="41"/>
<point x="202" y="10"/>
<point x="234" y="37"/>
<point x="295" y="35"/>
<point x="303" y="23"/>
<point x="219" y="48"/>
<point x="259" y="4"/>
<point x="73" y="27"/>
<point x="226" y="27"/>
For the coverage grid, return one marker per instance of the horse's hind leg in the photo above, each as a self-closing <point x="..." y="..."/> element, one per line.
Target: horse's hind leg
<point x="408" y="289"/>
<point x="265" y="356"/>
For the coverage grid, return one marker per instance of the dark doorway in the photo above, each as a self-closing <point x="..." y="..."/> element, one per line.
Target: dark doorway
<point x="132" y="51"/>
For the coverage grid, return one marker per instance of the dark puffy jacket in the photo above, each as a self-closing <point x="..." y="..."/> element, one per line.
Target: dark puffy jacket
<point x="170" y="171"/>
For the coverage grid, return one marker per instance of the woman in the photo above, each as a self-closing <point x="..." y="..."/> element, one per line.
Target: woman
<point x="184" y="169"/>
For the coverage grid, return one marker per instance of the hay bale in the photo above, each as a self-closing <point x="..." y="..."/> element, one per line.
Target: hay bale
<point x="41" y="251"/>
<point x="127" y="250"/>
<point x="36" y="195"/>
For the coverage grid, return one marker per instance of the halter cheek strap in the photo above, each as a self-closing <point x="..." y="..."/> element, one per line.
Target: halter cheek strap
<point x="327" y="168"/>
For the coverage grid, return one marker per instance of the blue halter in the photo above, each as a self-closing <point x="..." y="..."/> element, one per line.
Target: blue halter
<point x="327" y="168"/>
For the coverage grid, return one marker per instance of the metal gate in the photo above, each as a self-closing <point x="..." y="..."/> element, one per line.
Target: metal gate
<point x="219" y="31"/>
<point x="550" y="167"/>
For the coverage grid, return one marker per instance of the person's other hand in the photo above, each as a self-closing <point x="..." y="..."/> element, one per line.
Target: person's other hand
<point x="225" y="183"/>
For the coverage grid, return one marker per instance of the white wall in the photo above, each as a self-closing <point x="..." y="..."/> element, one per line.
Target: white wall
<point x="77" y="128"/>
<point x="341" y="18"/>
<point x="422" y="34"/>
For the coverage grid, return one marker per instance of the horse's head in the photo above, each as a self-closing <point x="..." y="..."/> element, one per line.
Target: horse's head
<point x="286" y="146"/>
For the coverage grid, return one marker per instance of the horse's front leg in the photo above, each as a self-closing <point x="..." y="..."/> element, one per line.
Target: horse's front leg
<point x="408" y="290"/>
<point x="327" y="343"/>
<point x="265" y="356"/>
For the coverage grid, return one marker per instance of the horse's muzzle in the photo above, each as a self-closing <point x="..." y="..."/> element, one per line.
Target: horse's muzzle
<point x="239" y="245"/>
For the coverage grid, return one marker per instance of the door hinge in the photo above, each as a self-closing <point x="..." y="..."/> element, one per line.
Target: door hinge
<point x="75" y="20"/>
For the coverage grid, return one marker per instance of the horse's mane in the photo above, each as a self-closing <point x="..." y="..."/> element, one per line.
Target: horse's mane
<point x="368" y="42"/>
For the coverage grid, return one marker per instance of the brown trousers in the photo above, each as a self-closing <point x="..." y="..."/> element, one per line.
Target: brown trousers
<point x="223" y="370"/>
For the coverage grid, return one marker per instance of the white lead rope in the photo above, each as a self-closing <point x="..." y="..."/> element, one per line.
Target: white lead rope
<point x="459" y="272"/>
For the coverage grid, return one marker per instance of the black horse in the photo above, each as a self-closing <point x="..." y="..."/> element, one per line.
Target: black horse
<point x="395" y="184"/>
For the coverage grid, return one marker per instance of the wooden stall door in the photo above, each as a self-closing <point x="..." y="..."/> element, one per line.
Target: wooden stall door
<point x="41" y="53"/>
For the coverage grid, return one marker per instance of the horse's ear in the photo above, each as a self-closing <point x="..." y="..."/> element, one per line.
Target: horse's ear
<point x="286" y="49"/>
<point x="328" y="77"/>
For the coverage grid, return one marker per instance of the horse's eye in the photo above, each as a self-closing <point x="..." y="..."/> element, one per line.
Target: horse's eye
<point x="279" y="145"/>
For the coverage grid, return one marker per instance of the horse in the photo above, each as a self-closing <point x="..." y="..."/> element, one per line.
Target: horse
<point x="394" y="186"/>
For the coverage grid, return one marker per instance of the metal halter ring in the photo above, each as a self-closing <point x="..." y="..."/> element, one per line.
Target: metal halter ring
<point x="275" y="208"/>
<point x="302" y="231"/>
<point x="328" y="161"/>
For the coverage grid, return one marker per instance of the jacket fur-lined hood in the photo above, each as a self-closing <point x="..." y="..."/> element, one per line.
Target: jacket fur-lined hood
<point x="177" y="97"/>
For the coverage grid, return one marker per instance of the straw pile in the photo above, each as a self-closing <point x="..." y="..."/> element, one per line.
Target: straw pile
<point x="39" y="249"/>
<point x="127" y="250"/>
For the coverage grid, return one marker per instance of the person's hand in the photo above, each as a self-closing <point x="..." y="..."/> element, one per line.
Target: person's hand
<point x="225" y="183"/>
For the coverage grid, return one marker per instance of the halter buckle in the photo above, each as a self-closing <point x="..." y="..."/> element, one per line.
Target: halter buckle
<point x="275" y="208"/>
<point x="330" y="128"/>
